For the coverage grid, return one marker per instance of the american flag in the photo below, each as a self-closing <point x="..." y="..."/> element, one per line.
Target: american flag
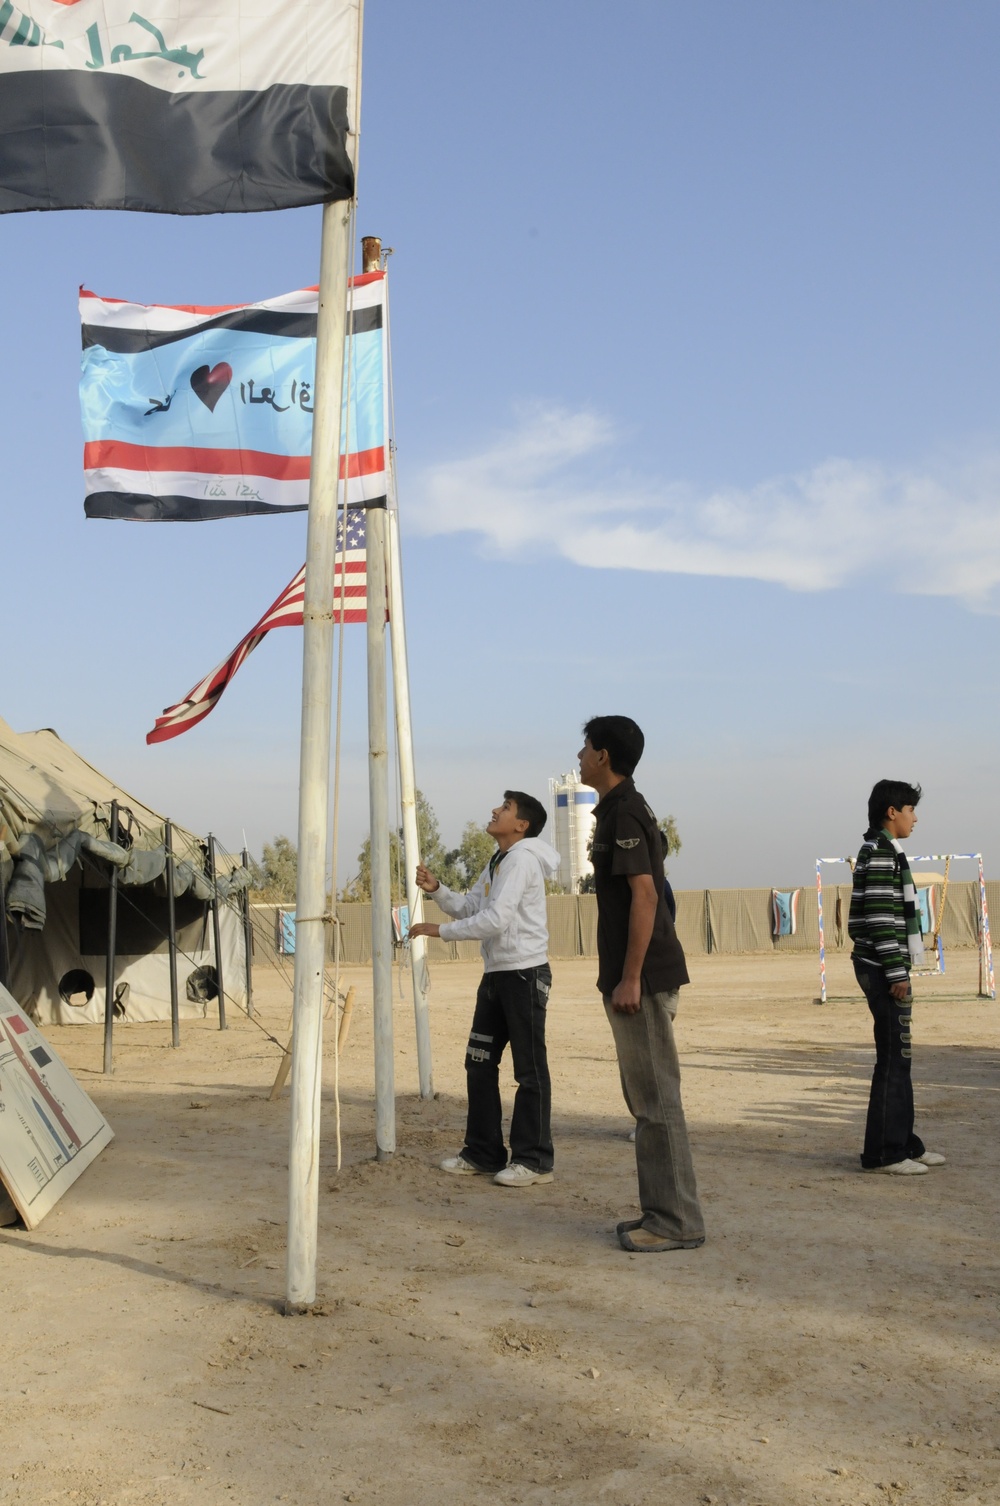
<point x="350" y="604"/>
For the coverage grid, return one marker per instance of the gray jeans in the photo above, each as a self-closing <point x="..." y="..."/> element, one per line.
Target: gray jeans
<point x="651" y="1083"/>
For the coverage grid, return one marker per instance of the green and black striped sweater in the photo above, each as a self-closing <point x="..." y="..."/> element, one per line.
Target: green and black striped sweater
<point x="877" y="922"/>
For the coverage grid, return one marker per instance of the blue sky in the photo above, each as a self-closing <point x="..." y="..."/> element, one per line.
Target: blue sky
<point x="695" y="326"/>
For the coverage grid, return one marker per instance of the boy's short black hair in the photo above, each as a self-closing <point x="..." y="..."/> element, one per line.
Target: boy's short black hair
<point x="620" y="737"/>
<point x="894" y="792"/>
<point x="528" y="809"/>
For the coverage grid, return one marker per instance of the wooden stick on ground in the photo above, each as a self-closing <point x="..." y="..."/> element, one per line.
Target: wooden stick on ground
<point x="345" y="1019"/>
<point x="285" y="1065"/>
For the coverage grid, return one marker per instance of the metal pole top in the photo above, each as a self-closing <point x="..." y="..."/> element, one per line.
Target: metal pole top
<point x="371" y="253"/>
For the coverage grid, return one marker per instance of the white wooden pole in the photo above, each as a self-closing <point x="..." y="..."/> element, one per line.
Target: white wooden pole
<point x="378" y="793"/>
<point x="408" y="800"/>
<point x="314" y="761"/>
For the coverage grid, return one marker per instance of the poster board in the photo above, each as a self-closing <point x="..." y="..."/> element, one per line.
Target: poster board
<point x="50" y="1131"/>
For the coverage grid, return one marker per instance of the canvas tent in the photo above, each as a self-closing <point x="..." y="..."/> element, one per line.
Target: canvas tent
<point x="55" y="864"/>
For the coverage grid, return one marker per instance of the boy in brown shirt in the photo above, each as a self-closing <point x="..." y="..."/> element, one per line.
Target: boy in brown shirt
<point x="642" y="969"/>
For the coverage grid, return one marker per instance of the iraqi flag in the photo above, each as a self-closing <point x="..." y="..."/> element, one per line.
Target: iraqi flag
<point x="191" y="414"/>
<point x="178" y="106"/>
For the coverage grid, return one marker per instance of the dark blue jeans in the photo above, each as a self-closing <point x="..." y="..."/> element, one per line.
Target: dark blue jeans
<point x="889" y="1133"/>
<point x="510" y="1009"/>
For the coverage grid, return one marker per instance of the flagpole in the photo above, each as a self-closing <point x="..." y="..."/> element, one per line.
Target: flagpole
<point x="408" y="797"/>
<point x="314" y="761"/>
<point x="378" y="801"/>
<point x="378" y="797"/>
<point x="373" y="260"/>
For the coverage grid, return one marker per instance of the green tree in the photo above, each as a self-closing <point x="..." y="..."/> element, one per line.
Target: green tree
<point x="473" y="853"/>
<point x="668" y="826"/>
<point x="360" y="886"/>
<point x="280" y="865"/>
<point x="446" y="866"/>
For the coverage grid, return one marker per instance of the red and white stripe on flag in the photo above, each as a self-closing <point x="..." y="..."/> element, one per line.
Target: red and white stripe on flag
<point x="350" y="602"/>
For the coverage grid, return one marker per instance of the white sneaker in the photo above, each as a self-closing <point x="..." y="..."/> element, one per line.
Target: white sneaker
<point x="901" y="1169"/>
<point x="460" y="1167"/>
<point x="933" y="1158"/>
<point x="632" y="1136"/>
<point x="516" y="1175"/>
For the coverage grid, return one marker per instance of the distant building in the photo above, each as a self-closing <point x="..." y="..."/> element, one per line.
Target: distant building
<point x="573" y="809"/>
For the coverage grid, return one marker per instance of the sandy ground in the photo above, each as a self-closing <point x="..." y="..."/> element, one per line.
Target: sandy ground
<point x="834" y="1340"/>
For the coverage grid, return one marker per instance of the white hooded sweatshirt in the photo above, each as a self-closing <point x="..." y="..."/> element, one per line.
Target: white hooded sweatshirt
<point x="508" y="915"/>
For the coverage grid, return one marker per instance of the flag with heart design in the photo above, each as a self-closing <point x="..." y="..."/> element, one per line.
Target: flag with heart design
<point x="194" y="413"/>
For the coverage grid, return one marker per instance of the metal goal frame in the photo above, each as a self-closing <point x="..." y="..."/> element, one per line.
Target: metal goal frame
<point x="985" y="946"/>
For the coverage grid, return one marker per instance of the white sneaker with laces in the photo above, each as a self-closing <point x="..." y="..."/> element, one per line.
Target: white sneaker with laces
<point x="933" y="1158"/>
<point x="516" y="1175"/>
<point x="901" y="1169"/>
<point x="460" y="1167"/>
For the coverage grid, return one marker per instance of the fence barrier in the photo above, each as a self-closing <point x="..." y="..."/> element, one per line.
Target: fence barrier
<point x="708" y="920"/>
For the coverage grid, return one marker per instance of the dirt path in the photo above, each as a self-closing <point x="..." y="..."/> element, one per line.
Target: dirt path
<point x="834" y="1341"/>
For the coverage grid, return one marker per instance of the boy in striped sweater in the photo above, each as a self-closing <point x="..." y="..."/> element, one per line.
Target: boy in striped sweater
<point x="884" y="924"/>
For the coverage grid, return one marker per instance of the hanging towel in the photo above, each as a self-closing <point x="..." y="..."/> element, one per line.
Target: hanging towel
<point x="911" y="910"/>
<point x="928" y="910"/>
<point x="784" y="911"/>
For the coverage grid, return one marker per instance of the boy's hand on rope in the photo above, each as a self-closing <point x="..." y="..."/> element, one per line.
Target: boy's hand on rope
<point x="424" y="928"/>
<point x="426" y="880"/>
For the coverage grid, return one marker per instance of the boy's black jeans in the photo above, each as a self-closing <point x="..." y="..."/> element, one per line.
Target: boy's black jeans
<point x="889" y="1133"/>
<point x="510" y="1008"/>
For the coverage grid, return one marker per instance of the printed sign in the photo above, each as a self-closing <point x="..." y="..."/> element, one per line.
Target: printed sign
<point x="50" y="1131"/>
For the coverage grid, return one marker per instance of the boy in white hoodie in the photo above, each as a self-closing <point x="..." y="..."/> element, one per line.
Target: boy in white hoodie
<point x="505" y="912"/>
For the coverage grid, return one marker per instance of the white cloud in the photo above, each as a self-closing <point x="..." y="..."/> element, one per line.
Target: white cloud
<point x="933" y="530"/>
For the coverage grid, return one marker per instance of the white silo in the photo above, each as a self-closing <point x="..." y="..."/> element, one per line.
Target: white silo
<point x="573" y="810"/>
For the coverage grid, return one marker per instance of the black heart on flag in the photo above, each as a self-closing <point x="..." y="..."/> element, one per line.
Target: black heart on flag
<point x="209" y="385"/>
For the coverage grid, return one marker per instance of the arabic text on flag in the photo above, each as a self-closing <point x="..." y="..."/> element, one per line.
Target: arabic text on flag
<point x="193" y="413"/>
<point x="176" y="106"/>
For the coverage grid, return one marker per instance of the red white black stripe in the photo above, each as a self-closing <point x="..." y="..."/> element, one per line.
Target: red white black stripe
<point x="174" y="430"/>
<point x="176" y="106"/>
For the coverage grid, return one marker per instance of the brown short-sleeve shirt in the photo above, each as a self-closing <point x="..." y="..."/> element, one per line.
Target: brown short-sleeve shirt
<point x="627" y="841"/>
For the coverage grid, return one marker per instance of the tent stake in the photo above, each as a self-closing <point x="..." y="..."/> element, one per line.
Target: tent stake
<point x="175" y="1015"/>
<point x="109" y="973"/>
<point x="217" y="933"/>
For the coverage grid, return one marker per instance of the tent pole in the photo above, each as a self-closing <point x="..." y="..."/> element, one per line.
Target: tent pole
<point x="378" y="799"/>
<point x="408" y="802"/>
<point x="248" y="939"/>
<point x="217" y="934"/>
<point x="314" y="762"/>
<point x="109" y="973"/>
<point x="175" y="1016"/>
